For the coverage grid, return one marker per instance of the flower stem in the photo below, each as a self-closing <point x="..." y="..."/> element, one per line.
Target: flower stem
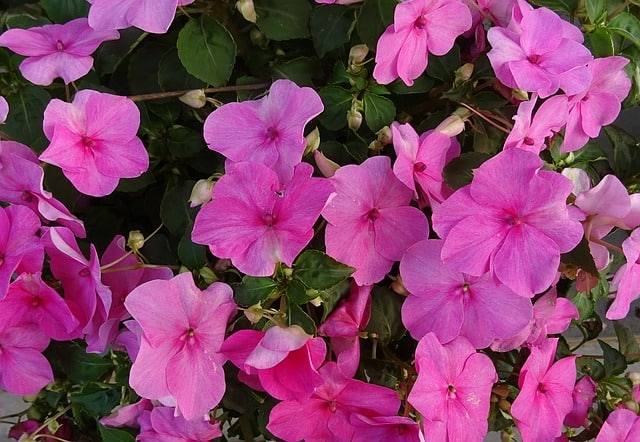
<point x="606" y="244"/>
<point x="487" y="119"/>
<point x="211" y="90"/>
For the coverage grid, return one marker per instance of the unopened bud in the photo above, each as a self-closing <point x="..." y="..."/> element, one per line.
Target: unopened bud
<point x="504" y="405"/>
<point x="4" y="109"/>
<point x="254" y="313"/>
<point x="313" y="141"/>
<point x="247" y="10"/>
<point x="385" y="135"/>
<point x="354" y="119"/>
<point x="195" y="98"/>
<point x="327" y="167"/>
<point x="463" y="73"/>
<point x="579" y="178"/>
<point x="632" y="405"/>
<point x="520" y="95"/>
<point x="398" y="286"/>
<point x="135" y="240"/>
<point x="207" y="275"/>
<point x="317" y="302"/>
<point x="451" y="126"/>
<point x="201" y="193"/>
<point x="258" y="38"/>
<point x="357" y="54"/>
<point x="634" y="377"/>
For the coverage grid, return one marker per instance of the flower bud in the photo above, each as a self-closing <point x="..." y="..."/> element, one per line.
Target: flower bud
<point x="357" y="54"/>
<point x="354" y="119"/>
<point x="631" y="405"/>
<point x="327" y="167"/>
<point x="201" y="193"/>
<point x="634" y="377"/>
<point x="317" y="301"/>
<point x="520" y="95"/>
<point x="258" y="38"/>
<point x="313" y="141"/>
<point x="579" y="178"/>
<point x="463" y="73"/>
<point x="207" y="275"/>
<point x="254" y="313"/>
<point x="195" y="98"/>
<point x="398" y="286"/>
<point x="385" y="135"/>
<point x="247" y="10"/>
<point x="4" y="109"/>
<point x="135" y="240"/>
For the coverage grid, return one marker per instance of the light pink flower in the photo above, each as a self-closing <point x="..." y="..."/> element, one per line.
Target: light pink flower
<point x="622" y="425"/>
<point x="265" y="221"/>
<point x="546" y="393"/>
<point x="627" y="278"/>
<point x="94" y="142"/>
<point x="512" y="219"/>
<point x="56" y="50"/>
<point x="269" y="130"/>
<point x="153" y="16"/>
<point x="599" y="105"/>
<point x="183" y="328"/>
<point x="370" y="223"/>
<point x="453" y="389"/>
<point x="4" y="109"/>
<point x="420" y="27"/>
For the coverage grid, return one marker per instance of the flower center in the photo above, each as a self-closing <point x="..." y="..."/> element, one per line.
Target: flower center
<point x="373" y="214"/>
<point x="542" y="388"/>
<point x="332" y="406"/>
<point x="420" y="22"/>
<point x="27" y="196"/>
<point x="269" y="219"/>
<point x="528" y="141"/>
<point x="419" y="167"/>
<point x="88" y="142"/>
<point x="59" y="46"/>
<point x="514" y="221"/>
<point x="1" y="259"/>
<point x="451" y="392"/>
<point x="84" y="272"/>
<point x="272" y="133"/>
<point x="36" y="301"/>
<point x="534" y="59"/>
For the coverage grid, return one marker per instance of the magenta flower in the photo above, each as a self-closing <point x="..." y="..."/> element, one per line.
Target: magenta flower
<point x="512" y="219"/>
<point x="94" y="142"/>
<point x="183" y="328"/>
<point x="386" y="428"/>
<point x="264" y="221"/>
<point x="583" y="395"/>
<point x="54" y="51"/>
<point x="153" y="16"/>
<point x="419" y="27"/>
<point x="453" y="389"/>
<point x="420" y="161"/>
<point x="452" y="304"/>
<point x="622" y="425"/>
<point x="269" y="130"/>
<point x="546" y="393"/>
<point x="371" y="224"/>
<point x="627" y="278"/>
<point x="522" y="59"/>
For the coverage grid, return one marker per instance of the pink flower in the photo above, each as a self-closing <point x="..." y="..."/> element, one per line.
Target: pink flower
<point x="162" y="424"/>
<point x="522" y="59"/>
<point x="4" y="109"/>
<point x="622" y="425"/>
<point x="546" y="393"/>
<point x="452" y="304"/>
<point x="627" y="278"/>
<point x="269" y="130"/>
<point x="583" y="395"/>
<point x="384" y="428"/>
<point x="371" y="224"/>
<point x="56" y="50"/>
<point x="420" y="161"/>
<point x="153" y="16"/>
<point x="183" y="328"/>
<point x="420" y="27"/>
<point x="512" y="219"/>
<point x="264" y="222"/>
<point x="599" y="105"/>
<point x="94" y="142"/>
<point x="453" y="389"/>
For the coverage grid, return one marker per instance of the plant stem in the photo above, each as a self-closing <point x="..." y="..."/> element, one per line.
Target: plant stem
<point x="487" y="119"/>
<point x="606" y="244"/>
<point x="51" y="419"/>
<point x="211" y="90"/>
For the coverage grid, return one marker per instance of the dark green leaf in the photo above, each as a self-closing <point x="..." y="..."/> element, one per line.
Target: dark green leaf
<point x="95" y="399"/>
<point x="191" y="255"/>
<point x="443" y="67"/>
<point x="297" y="293"/>
<point x="378" y="111"/>
<point x="299" y="70"/>
<point x="297" y="316"/>
<point x="616" y="386"/>
<point x="596" y="10"/>
<point x="330" y="27"/>
<point x="626" y="25"/>
<point x="207" y="50"/>
<point x="633" y="71"/>
<point x="62" y="11"/>
<point x="558" y="5"/>
<point x="253" y="290"/>
<point x="175" y="211"/>
<point x="319" y="271"/>
<point x="111" y="53"/>
<point x="24" y="123"/>
<point x="173" y="76"/>
<point x="332" y="296"/>
<point x="114" y="434"/>
<point x="185" y="142"/>
<point x="337" y="102"/>
<point x="459" y="172"/>
<point x="614" y="361"/>
<point x="488" y="100"/>
<point x="385" y="319"/>
<point x="143" y="67"/>
<point x="625" y="160"/>
<point x="283" y="19"/>
<point x="581" y="257"/>
<point x="78" y="365"/>
<point x="627" y="342"/>
<point x="584" y="304"/>
<point x="136" y="184"/>
<point x="421" y="85"/>
<point x="590" y="367"/>
<point x="375" y="16"/>
<point x="25" y="21"/>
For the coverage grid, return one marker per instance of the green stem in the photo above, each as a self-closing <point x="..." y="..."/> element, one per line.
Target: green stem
<point x="211" y="90"/>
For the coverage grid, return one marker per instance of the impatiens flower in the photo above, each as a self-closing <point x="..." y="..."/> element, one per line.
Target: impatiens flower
<point x="622" y="425"/>
<point x="21" y="182"/>
<point x="627" y="278"/>
<point x="512" y="219"/>
<point x="420" y="161"/>
<point x="599" y="105"/>
<point x="452" y="390"/>
<point x="386" y="428"/>
<point x="269" y="130"/>
<point x="153" y="16"/>
<point x="530" y="133"/>
<point x="285" y="359"/>
<point x="162" y="424"/>
<point x="583" y="395"/>
<point x="370" y="223"/>
<point x="4" y="109"/>
<point x="452" y="304"/>
<point x="327" y="411"/>
<point x="94" y="142"/>
<point x="536" y="55"/>
<point x="183" y="328"/>
<point x="419" y="27"/>
<point x="546" y="393"/>
<point x="54" y="51"/>
<point x="264" y="221"/>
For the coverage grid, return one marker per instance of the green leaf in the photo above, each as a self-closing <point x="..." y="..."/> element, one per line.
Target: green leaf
<point x="332" y="296"/>
<point x="459" y="172"/>
<point x="558" y="5"/>
<point x="627" y="342"/>
<point x="385" y="319"/>
<point x="24" y="123"/>
<point x="590" y="327"/>
<point x="614" y="361"/>
<point x="590" y="367"/>
<point x="421" y="85"/>
<point x="297" y="316"/>
<point x="375" y="16"/>
<point x="136" y="184"/>
<point x="111" y="53"/>
<point x="62" y="11"/>
<point x="172" y="76"/>
<point x="25" y="21"/>
<point x="95" y="399"/>
<point x="283" y="19"/>
<point x="330" y="27"/>
<point x="185" y="142"/>
<point x="626" y="25"/>
<point x="581" y="257"/>
<point x="378" y="111"/>
<point x="319" y="271"/>
<point x="207" y="50"/>
<point x="584" y="304"/>
<point x="175" y="211"/>
<point x="143" y="67"/>
<point x="625" y="160"/>
<point x="253" y="290"/>
<point x="443" y="67"/>
<point x="114" y="434"/>
<point x="299" y="70"/>
<point x="192" y="255"/>
<point x="337" y="102"/>
<point x="633" y="72"/>
<point x="616" y="386"/>
<point x="297" y="293"/>
<point x="78" y="365"/>
<point x="596" y="10"/>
